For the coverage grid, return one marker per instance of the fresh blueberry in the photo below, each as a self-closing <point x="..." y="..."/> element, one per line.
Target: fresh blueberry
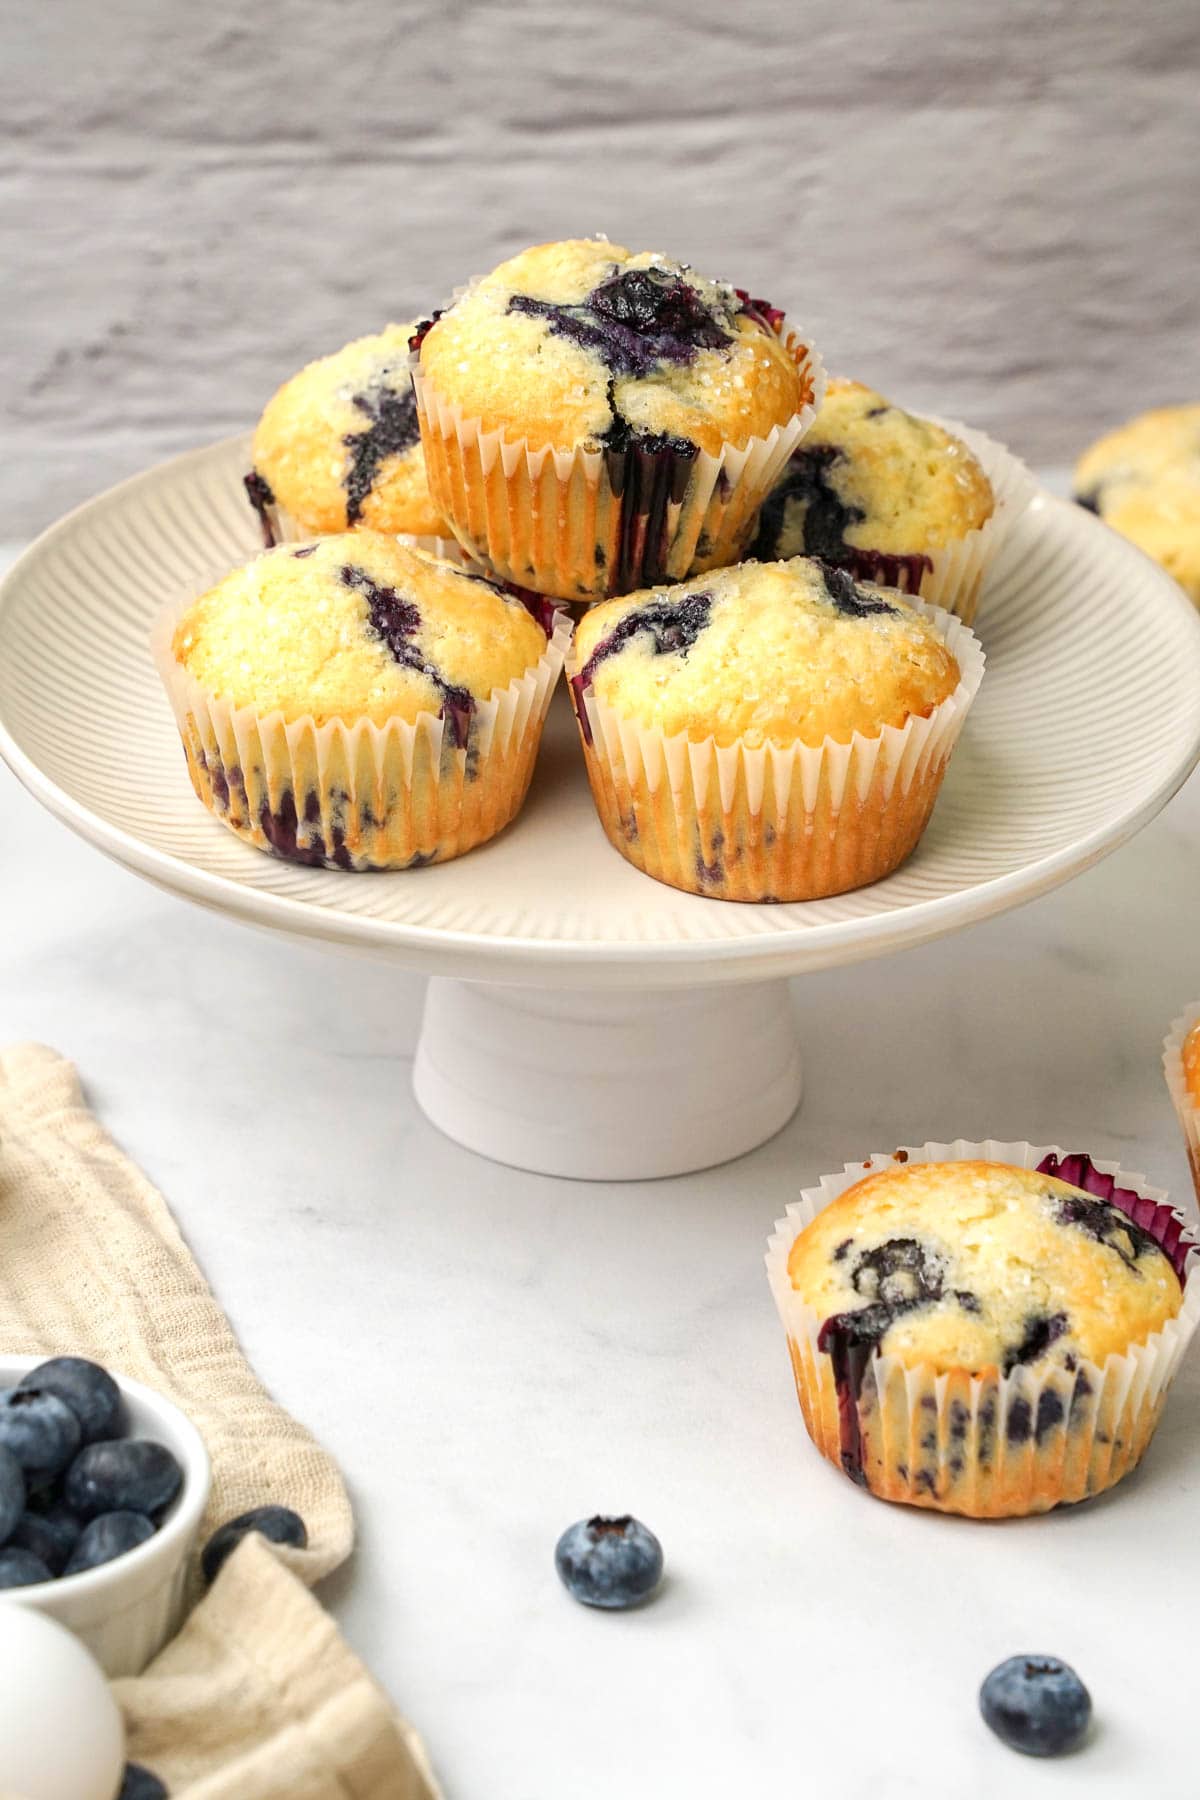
<point x="125" y="1475"/>
<point x="21" y="1568"/>
<point x="108" y="1536"/>
<point x="278" y="1524"/>
<point x="140" y="1784"/>
<point x="41" y="1431"/>
<point x="1036" y="1704"/>
<point x="609" y="1562"/>
<point x="90" y="1392"/>
<point x="50" y="1539"/>
<point x="12" y="1492"/>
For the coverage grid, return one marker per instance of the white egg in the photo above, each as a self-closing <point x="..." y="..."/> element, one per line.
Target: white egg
<point x="61" y="1735"/>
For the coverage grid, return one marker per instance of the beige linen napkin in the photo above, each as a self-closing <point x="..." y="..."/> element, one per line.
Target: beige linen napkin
<point x="258" y="1697"/>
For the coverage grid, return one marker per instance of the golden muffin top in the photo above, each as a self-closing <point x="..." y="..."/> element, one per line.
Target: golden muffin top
<point x="794" y="652"/>
<point x="357" y="626"/>
<point x="869" y="476"/>
<point x="338" y="444"/>
<point x="1144" y="480"/>
<point x="585" y="343"/>
<point x="979" y="1266"/>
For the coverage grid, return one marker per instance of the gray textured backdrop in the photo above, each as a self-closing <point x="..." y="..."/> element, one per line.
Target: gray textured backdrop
<point x="986" y="206"/>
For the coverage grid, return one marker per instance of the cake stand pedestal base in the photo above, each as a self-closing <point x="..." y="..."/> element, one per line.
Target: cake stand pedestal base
<point x="606" y="1085"/>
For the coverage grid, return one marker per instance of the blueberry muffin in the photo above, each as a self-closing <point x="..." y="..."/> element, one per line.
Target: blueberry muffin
<point x="338" y="447"/>
<point x="595" y="420"/>
<point x="878" y="492"/>
<point x="773" y="731"/>
<point x="356" y="704"/>
<point x="1144" y="480"/>
<point x="963" y="1332"/>
<point x="1181" y="1066"/>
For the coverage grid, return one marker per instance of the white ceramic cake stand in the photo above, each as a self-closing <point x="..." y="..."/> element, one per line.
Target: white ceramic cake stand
<point x="583" y="1020"/>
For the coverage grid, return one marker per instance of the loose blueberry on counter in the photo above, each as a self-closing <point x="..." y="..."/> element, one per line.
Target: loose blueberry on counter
<point x="41" y="1431"/>
<point x="21" y="1568"/>
<point x="126" y="1475"/>
<point x="52" y="1540"/>
<point x="12" y="1492"/>
<point x="141" y="1784"/>
<point x="108" y="1536"/>
<point x="278" y="1524"/>
<point x="612" y="1563"/>
<point x="90" y="1392"/>
<point x="1036" y="1704"/>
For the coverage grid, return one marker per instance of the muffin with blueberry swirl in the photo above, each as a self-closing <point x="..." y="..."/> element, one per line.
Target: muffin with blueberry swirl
<point x="356" y="704"/>
<point x="1144" y="480"/>
<point x="338" y="448"/>
<point x="771" y="731"/>
<point x="982" y="1336"/>
<point x="889" y="497"/>
<point x="596" y="420"/>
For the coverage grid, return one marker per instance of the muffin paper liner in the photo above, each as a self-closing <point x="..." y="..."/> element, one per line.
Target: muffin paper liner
<point x="741" y="822"/>
<point x="583" y="524"/>
<point x="1185" y="1107"/>
<point x="955" y="580"/>
<point x="987" y="1445"/>
<point x="282" y="527"/>
<point x="361" y="795"/>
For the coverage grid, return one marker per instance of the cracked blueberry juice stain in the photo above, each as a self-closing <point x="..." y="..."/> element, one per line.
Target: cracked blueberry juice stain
<point x="633" y="323"/>
<point x="827" y="519"/>
<point x="396" y="620"/>
<point x="672" y="625"/>
<point x="392" y="430"/>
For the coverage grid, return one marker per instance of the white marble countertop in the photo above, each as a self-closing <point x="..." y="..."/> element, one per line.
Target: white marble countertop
<point x="492" y="1354"/>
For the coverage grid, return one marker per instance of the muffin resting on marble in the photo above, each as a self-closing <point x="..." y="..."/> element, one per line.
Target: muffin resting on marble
<point x="877" y="491"/>
<point x="357" y="704"/>
<point x="595" y="419"/>
<point x="1144" y="480"/>
<point x="965" y="1312"/>
<point x="713" y="715"/>
<point x="338" y="446"/>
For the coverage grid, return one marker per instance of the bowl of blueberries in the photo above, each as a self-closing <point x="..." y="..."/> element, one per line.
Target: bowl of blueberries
<point x="103" y="1484"/>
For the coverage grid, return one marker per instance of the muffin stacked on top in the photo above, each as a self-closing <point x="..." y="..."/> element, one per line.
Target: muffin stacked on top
<point x="595" y="420"/>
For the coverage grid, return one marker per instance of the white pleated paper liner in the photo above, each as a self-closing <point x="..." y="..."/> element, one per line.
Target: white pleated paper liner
<point x="583" y="524"/>
<point x="1181" y="1099"/>
<point x="773" y="823"/>
<point x="987" y="1445"/>
<point x="359" y="795"/>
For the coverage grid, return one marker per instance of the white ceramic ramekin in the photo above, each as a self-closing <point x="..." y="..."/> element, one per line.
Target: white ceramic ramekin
<point x="126" y="1610"/>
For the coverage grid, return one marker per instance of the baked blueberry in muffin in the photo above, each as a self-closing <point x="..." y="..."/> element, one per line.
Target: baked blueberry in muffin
<point x="963" y="1275"/>
<point x="339" y="446"/>
<point x="358" y="704"/>
<point x="777" y="666"/>
<point x="1144" y="480"/>
<point x="875" y="490"/>
<point x="638" y="363"/>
